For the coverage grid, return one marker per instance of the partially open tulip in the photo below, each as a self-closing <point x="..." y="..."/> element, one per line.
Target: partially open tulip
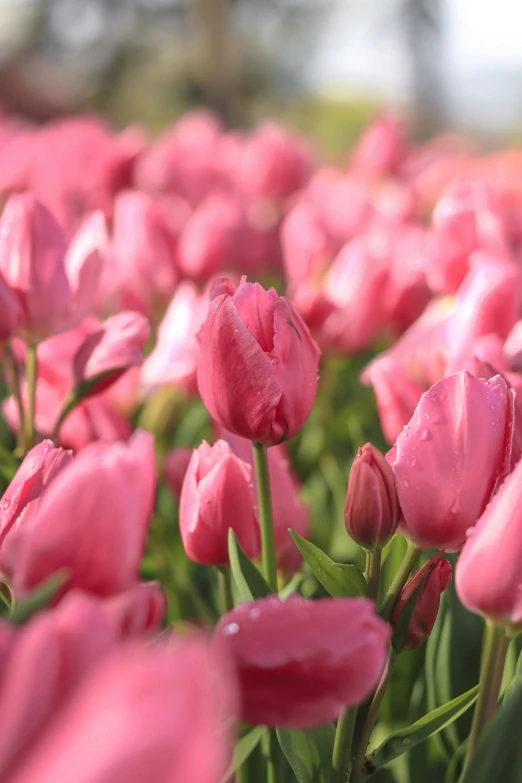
<point x="451" y="457"/>
<point x="257" y="372"/>
<point x="371" y="511"/>
<point x="216" y="495"/>
<point x="32" y="261"/>
<point x="436" y="576"/>
<point x="92" y="521"/>
<point x="24" y="494"/>
<point x="110" y="350"/>
<point x="488" y="577"/>
<point x="300" y="662"/>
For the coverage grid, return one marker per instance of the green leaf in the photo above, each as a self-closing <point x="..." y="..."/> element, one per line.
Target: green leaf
<point x="498" y="756"/>
<point x="38" y="599"/>
<point x="292" y="586"/>
<point x="309" y="753"/>
<point x="402" y="626"/>
<point x="403" y="740"/>
<point x="243" y="750"/>
<point x="247" y="581"/>
<point x="339" y="579"/>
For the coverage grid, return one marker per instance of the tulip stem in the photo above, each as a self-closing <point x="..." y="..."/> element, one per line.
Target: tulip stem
<point x="265" y="515"/>
<point x="31" y="370"/>
<point x="372" y="573"/>
<point x="70" y="404"/>
<point x="343" y="745"/>
<point x="369" y="723"/>
<point x="225" y="589"/>
<point x="410" y="558"/>
<point x="496" y="643"/>
<point x="17" y="394"/>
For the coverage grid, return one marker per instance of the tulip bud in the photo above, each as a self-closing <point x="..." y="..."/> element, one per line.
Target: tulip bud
<point x="371" y="511"/>
<point x="216" y="495"/>
<point x="257" y="372"/>
<point x="432" y="579"/>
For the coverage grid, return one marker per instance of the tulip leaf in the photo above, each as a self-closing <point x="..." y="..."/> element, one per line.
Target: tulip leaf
<point x="403" y="740"/>
<point x="292" y="586"/>
<point x="498" y="755"/>
<point x="38" y="599"/>
<point x="309" y="753"/>
<point x="243" y="750"/>
<point x="402" y="626"/>
<point x="247" y="581"/>
<point x="339" y="579"/>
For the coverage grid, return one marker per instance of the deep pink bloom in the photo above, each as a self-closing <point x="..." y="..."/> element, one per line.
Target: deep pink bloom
<point x="174" y="359"/>
<point x="9" y="310"/>
<point x="207" y="242"/>
<point x="371" y="511"/>
<point x="216" y="495"/>
<point x="382" y="148"/>
<point x="32" y="261"/>
<point x="436" y="575"/>
<point x="110" y="350"/>
<point x="23" y="495"/>
<point x="450" y="458"/>
<point x="175" y="467"/>
<point x="257" y="372"/>
<point x="300" y="662"/>
<point x="92" y="520"/>
<point x="288" y="509"/>
<point x="487" y="576"/>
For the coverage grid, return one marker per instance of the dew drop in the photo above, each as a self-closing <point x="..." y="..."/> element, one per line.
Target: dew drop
<point x="254" y="613"/>
<point x="424" y="434"/>
<point x="6" y="502"/>
<point x="231" y="629"/>
<point x="406" y="483"/>
<point x="469" y="532"/>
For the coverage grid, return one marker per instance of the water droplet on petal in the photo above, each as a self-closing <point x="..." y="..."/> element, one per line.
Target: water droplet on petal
<point x="254" y="613"/>
<point x="469" y="532"/>
<point x="406" y="483"/>
<point x="6" y="502"/>
<point x="231" y="629"/>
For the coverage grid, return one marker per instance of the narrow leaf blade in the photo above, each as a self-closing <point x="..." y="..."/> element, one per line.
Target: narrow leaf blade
<point x="339" y="579"/>
<point x="309" y="753"/>
<point x="248" y="582"/>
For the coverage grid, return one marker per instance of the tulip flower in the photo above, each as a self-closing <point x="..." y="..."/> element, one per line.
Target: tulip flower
<point x="257" y="372"/>
<point x="206" y="244"/>
<point x="300" y="662"/>
<point x="381" y="149"/>
<point x="174" y="358"/>
<point x="450" y="458"/>
<point x="371" y="511"/>
<point x="216" y="495"/>
<point x="288" y="509"/>
<point x="488" y="576"/>
<point x="92" y="521"/>
<point x="23" y="496"/>
<point x="33" y="263"/>
<point x="436" y="576"/>
<point x="163" y="701"/>
<point x="9" y="310"/>
<point x="108" y="351"/>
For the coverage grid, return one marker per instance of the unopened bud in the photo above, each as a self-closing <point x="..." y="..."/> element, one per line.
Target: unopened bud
<point x="371" y="511"/>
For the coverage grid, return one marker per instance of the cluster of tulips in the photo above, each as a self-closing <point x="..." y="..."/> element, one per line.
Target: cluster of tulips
<point x="133" y="280"/>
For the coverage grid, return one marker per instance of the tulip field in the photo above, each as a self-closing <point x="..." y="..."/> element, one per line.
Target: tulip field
<point x="260" y="456"/>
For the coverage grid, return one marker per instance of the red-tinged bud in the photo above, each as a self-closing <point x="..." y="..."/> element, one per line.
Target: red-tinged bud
<point x="371" y="511"/>
<point x="436" y="576"/>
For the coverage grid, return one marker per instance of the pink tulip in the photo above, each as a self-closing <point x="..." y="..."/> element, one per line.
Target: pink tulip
<point x="308" y="249"/>
<point x="216" y="495"/>
<point x="104" y="500"/>
<point x="487" y="303"/>
<point x="299" y="662"/>
<point x="110" y="350"/>
<point x="175" y="468"/>
<point x="22" y="498"/>
<point x="32" y="260"/>
<point x="141" y="274"/>
<point x="382" y="148"/>
<point x="288" y="509"/>
<point x="343" y="202"/>
<point x="9" y="310"/>
<point x="145" y="713"/>
<point x="90" y="241"/>
<point x="258" y="365"/>
<point x="450" y="458"/>
<point x="488" y="570"/>
<point x="371" y="511"/>
<point x="174" y="359"/>
<point x="207" y="242"/>
<point x="436" y="576"/>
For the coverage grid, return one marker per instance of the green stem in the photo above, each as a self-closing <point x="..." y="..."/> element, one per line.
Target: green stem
<point x="31" y="370"/>
<point x="496" y="643"/>
<point x="271" y="752"/>
<point x="70" y="404"/>
<point x="343" y="745"/>
<point x="410" y="558"/>
<point x="17" y="394"/>
<point x="373" y="573"/>
<point x="370" y="721"/>
<point x="265" y="515"/>
<point x="225" y="589"/>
